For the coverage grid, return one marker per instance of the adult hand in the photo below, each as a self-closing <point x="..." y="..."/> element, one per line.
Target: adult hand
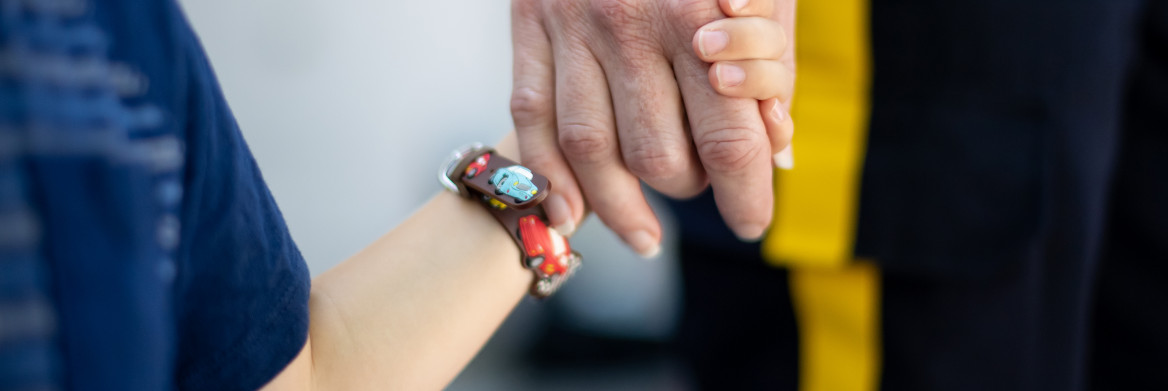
<point x="602" y="92"/>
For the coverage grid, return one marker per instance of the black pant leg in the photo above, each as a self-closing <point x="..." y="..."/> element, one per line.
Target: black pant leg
<point x="1130" y="337"/>
<point x="738" y="326"/>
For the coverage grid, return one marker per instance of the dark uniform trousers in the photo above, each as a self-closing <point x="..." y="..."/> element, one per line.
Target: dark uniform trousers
<point x="1014" y="195"/>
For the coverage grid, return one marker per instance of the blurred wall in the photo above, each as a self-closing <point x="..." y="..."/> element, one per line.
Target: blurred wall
<point x="349" y="105"/>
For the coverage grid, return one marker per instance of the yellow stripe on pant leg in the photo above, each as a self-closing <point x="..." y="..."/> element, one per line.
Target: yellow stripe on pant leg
<point x="838" y="315"/>
<point x="815" y="203"/>
<point x="836" y="298"/>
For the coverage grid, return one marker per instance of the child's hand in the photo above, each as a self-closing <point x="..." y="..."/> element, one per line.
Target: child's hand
<point x="750" y="57"/>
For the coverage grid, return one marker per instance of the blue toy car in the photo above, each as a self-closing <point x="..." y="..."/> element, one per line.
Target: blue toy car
<point x="514" y="181"/>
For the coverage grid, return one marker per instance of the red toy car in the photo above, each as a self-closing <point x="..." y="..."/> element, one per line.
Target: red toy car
<point x="547" y="252"/>
<point x="477" y="166"/>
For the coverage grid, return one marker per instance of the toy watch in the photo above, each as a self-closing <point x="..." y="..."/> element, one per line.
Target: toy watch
<point x="512" y="193"/>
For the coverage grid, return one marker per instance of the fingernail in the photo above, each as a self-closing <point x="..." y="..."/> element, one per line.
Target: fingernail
<point x="557" y="209"/>
<point x="785" y="159"/>
<point x="777" y="113"/>
<point x="738" y="5"/>
<point x="643" y="244"/>
<point x="712" y="42"/>
<point x="730" y="75"/>
<point x="750" y="232"/>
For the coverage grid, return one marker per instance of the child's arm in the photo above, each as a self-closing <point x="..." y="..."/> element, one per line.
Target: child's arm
<point x="752" y="55"/>
<point x="414" y="307"/>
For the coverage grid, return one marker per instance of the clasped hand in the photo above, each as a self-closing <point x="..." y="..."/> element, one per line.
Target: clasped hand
<point x="679" y="94"/>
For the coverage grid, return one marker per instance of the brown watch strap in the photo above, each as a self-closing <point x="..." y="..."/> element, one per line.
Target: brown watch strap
<point x="512" y="193"/>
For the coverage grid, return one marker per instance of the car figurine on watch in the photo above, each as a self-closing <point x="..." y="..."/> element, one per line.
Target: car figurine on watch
<point x="514" y="181"/>
<point x="547" y="253"/>
<point x="477" y="166"/>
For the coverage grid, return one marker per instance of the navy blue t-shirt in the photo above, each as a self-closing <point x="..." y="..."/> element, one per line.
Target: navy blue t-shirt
<point x="139" y="246"/>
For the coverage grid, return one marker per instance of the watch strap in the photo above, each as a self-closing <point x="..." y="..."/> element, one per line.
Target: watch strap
<point x="512" y="194"/>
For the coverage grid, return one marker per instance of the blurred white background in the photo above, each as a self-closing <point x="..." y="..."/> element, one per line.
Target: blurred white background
<point x="349" y="105"/>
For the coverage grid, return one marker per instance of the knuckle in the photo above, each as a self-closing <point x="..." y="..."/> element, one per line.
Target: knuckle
<point x="530" y="106"/>
<point x="618" y="13"/>
<point x="650" y="162"/>
<point x="628" y="22"/>
<point x="729" y="149"/>
<point x="584" y="142"/>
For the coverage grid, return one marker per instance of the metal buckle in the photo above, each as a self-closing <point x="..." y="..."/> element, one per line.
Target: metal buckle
<point x="446" y="171"/>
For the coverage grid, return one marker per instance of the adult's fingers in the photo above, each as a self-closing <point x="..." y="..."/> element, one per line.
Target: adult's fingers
<point x="733" y="146"/>
<point x="533" y="110"/>
<point x="588" y="139"/>
<point x="740" y="39"/>
<point x="650" y="121"/>
<point x="780" y="130"/>
<point x="756" y="79"/>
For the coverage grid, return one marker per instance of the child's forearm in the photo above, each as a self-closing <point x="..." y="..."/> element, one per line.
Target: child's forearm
<point x="412" y="309"/>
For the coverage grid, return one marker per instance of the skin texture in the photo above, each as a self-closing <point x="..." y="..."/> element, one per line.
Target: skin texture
<point x="412" y="309"/>
<point x="610" y="93"/>
<point x="759" y="45"/>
